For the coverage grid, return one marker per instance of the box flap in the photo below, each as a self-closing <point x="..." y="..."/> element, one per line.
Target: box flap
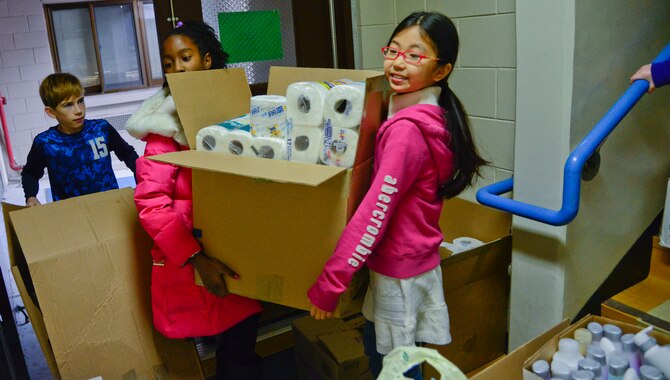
<point x="474" y="220"/>
<point x="12" y="241"/>
<point x="344" y="345"/>
<point x="511" y="367"/>
<point x="281" y="77"/>
<point x="207" y="92"/>
<point x="272" y="170"/>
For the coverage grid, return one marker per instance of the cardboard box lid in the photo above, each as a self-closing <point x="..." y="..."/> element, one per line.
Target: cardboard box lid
<point x="219" y="95"/>
<point x="344" y="345"/>
<point x="273" y="170"/>
<point x="474" y="220"/>
<point x="281" y="77"/>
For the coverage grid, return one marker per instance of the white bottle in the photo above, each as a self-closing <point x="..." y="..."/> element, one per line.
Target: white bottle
<point x="596" y="330"/>
<point x="613" y="333"/>
<point x="648" y="372"/>
<point x="630" y="375"/>
<point x="568" y="352"/>
<point x="584" y="337"/>
<point x="653" y="354"/>
<point x="582" y="374"/>
<point x="598" y="354"/>
<point x="618" y="365"/>
<point x="541" y="368"/>
<point x="592" y="366"/>
<point x="560" y="370"/>
<point x="629" y="349"/>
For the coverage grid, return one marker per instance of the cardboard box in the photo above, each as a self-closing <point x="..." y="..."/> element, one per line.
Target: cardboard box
<point x="274" y="222"/>
<point x="476" y="283"/>
<point x="82" y="267"/>
<point x="330" y="349"/>
<point x="510" y="366"/>
<point x="551" y="346"/>
<point x="647" y="302"/>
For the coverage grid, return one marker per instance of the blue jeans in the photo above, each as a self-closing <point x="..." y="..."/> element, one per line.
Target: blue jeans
<point x="376" y="359"/>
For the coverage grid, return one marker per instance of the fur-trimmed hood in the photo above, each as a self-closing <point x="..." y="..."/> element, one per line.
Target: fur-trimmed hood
<point x="158" y="115"/>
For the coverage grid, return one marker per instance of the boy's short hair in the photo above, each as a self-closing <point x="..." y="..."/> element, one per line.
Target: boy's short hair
<point x="60" y="86"/>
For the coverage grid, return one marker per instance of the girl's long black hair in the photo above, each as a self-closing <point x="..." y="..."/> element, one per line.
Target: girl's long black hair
<point x="441" y="32"/>
<point x="204" y="38"/>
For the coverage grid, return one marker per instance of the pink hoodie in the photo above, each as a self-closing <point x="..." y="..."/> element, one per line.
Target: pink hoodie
<point x="395" y="229"/>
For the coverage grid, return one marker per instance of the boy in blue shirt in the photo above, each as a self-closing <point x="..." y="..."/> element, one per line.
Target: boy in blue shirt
<point x="76" y="151"/>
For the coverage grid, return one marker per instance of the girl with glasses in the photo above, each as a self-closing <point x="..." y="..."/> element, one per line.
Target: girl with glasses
<point x="423" y="152"/>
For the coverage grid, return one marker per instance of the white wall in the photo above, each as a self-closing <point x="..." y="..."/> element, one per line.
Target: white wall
<point x="484" y="76"/>
<point x="574" y="61"/>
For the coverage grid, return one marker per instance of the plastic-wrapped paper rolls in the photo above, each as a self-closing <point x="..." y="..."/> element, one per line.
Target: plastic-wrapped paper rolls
<point x="339" y="146"/>
<point x="238" y="143"/>
<point x="304" y="102"/>
<point x="306" y="143"/>
<point x="209" y="138"/>
<point x="268" y="116"/>
<point x="344" y="104"/>
<point x="269" y="147"/>
<point x="239" y="123"/>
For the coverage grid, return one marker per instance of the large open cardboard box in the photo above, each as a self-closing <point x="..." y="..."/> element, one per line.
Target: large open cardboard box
<point x="476" y="283"/>
<point x="551" y="345"/>
<point x="647" y="302"/>
<point x="82" y="268"/>
<point x="274" y="222"/>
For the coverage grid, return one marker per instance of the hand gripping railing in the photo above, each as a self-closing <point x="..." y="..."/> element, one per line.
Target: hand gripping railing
<point x="491" y="195"/>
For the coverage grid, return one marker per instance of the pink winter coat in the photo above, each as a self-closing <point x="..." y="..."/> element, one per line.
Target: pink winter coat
<point x="163" y="197"/>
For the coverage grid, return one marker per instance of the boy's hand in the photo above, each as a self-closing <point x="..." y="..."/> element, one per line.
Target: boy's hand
<point x="32" y="201"/>
<point x="319" y="314"/>
<point x="644" y="72"/>
<point x="212" y="273"/>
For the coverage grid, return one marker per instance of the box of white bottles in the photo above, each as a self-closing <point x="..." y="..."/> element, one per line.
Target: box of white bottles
<point x="601" y="348"/>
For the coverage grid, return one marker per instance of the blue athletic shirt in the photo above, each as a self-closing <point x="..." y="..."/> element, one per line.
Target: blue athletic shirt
<point x="78" y="163"/>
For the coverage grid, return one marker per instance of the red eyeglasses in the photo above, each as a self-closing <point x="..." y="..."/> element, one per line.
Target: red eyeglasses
<point x="410" y="56"/>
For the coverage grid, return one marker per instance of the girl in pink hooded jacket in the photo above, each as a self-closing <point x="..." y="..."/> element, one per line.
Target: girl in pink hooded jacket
<point x="423" y="152"/>
<point x="182" y="309"/>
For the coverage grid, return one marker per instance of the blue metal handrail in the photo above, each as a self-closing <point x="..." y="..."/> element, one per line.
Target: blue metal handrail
<point x="491" y="195"/>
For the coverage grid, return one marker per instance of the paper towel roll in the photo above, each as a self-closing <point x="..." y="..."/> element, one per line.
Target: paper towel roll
<point x="339" y="146"/>
<point x="209" y="138"/>
<point x="269" y="147"/>
<point x="268" y="116"/>
<point x="344" y="104"/>
<point x="237" y="143"/>
<point x="305" y="143"/>
<point x="304" y="102"/>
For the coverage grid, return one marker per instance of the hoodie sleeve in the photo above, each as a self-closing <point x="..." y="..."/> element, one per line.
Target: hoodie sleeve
<point x="660" y="73"/>
<point x="403" y="151"/>
<point x="154" y="200"/>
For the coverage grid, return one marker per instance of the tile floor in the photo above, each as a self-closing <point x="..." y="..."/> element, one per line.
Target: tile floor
<point x="279" y="366"/>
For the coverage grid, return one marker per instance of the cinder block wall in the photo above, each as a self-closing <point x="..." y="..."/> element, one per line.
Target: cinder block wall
<point x="484" y="77"/>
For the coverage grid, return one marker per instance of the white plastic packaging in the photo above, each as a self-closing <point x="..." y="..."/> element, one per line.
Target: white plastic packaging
<point x="653" y="354"/>
<point x="568" y="352"/>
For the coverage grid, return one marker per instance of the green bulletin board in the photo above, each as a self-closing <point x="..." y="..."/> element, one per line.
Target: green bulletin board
<point x="251" y="36"/>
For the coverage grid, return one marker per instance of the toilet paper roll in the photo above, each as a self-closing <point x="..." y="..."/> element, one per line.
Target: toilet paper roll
<point x="269" y="147"/>
<point x="239" y="123"/>
<point x="268" y="116"/>
<point x="304" y="102"/>
<point x="305" y="143"/>
<point x="238" y="143"/>
<point x="339" y="146"/>
<point x="344" y="105"/>
<point x="209" y="138"/>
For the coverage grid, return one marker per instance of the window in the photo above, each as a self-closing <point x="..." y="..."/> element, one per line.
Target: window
<point x="109" y="45"/>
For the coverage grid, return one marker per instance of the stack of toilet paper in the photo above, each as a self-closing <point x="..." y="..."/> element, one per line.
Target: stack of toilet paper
<point x="323" y="120"/>
<point x="239" y="142"/>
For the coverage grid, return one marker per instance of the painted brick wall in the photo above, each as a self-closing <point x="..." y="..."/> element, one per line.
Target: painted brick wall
<point x="484" y="77"/>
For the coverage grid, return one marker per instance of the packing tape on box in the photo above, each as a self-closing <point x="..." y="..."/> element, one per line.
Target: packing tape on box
<point x="306" y="143"/>
<point x="268" y="147"/>
<point x="210" y="138"/>
<point x="268" y="116"/>
<point x="237" y="143"/>
<point x="344" y="104"/>
<point x="339" y="146"/>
